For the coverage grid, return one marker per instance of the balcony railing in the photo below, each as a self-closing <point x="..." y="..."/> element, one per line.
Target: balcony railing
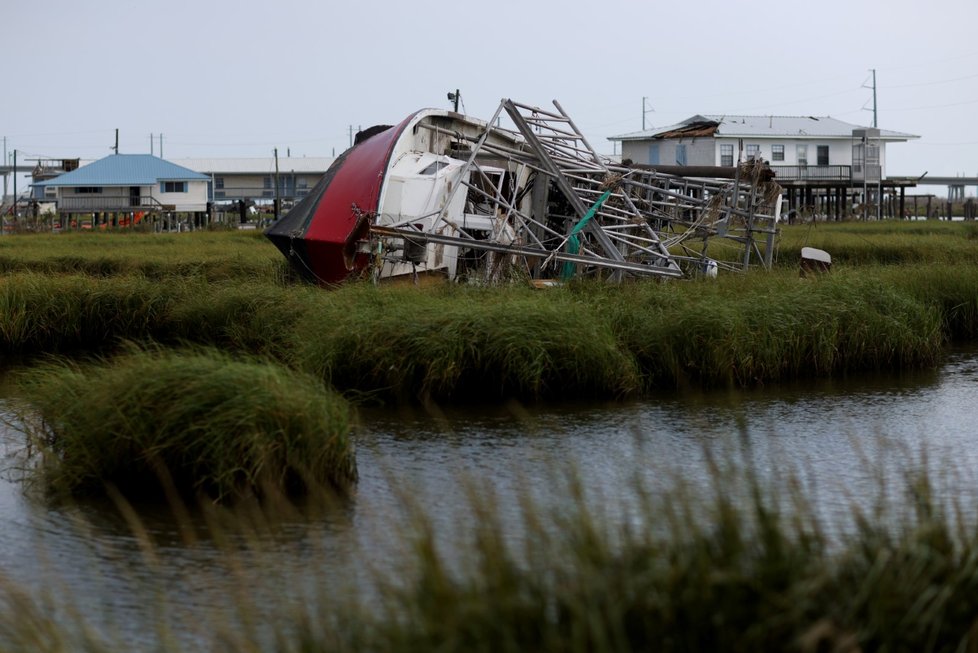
<point x="812" y="173"/>
<point x="234" y="193"/>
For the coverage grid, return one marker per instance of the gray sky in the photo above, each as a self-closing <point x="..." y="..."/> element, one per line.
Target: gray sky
<point x="240" y="77"/>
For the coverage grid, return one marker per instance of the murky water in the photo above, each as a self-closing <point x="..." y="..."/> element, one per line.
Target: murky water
<point x="837" y="437"/>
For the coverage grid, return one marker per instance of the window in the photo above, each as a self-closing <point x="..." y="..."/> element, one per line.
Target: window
<point x="654" y="154"/>
<point x="219" y="183"/>
<point x="802" y="155"/>
<point x="680" y="155"/>
<point x="173" y="187"/>
<point x="753" y="151"/>
<point x="434" y="167"/>
<point x="88" y="190"/>
<point x="858" y="157"/>
<point x="726" y="155"/>
<point x="268" y="184"/>
<point x="777" y="152"/>
<point x="822" y="154"/>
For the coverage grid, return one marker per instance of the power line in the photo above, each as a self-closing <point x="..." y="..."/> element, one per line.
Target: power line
<point x="937" y="106"/>
<point x="943" y="81"/>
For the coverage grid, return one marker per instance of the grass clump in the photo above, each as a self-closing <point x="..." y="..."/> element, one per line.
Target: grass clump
<point x="462" y="343"/>
<point x="57" y="314"/>
<point x="150" y="423"/>
<point x="746" y="330"/>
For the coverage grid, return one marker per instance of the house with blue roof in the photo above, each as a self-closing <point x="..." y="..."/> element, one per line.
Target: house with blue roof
<point x="125" y="183"/>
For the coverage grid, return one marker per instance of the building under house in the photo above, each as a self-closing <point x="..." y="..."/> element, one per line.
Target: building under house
<point x="258" y="179"/>
<point x="824" y="165"/>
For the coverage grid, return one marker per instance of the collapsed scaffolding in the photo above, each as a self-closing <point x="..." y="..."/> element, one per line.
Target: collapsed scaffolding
<point x="577" y="214"/>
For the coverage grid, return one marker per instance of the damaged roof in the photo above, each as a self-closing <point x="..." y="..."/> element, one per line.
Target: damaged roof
<point x="718" y="126"/>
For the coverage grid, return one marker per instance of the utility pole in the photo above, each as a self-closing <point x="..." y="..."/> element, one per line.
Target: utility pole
<point x="161" y="145"/>
<point x="874" y="98"/>
<point x="151" y="144"/>
<point x="872" y="70"/>
<point x="351" y="135"/>
<point x="4" y="163"/>
<point x="116" y="148"/>
<point x="457" y="95"/>
<point x="645" y="111"/>
<point x="15" y="184"/>
<point x="278" y="200"/>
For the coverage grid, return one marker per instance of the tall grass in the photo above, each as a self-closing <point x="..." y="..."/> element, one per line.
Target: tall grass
<point x="169" y="424"/>
<point x="464" y="343"/>
<point x="50" y="314"/>
<point x="882" y="242"/>
<point x="766" y="328"/>
<point x="209" y="255"/>
<point x="718" y="574"/>
<point x="742" y="565"/>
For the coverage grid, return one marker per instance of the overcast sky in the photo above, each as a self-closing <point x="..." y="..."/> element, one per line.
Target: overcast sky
<point x="240" y="77"/>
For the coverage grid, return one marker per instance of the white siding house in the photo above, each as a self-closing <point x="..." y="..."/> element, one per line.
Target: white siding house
<point x="795" y="146"/>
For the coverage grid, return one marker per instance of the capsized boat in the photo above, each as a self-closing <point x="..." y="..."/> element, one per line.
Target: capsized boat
<point x="448" y="194"/>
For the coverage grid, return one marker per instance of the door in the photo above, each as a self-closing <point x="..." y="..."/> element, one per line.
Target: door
<point x="822" y="152"/>
<point x="134" y="196"/>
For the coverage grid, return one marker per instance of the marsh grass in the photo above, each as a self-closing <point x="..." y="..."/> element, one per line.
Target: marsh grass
<point x="50" y="314"/>
<point x="462" y="343"/>
<point x="483" y="344"/>
<point x="163" y="423"/>
<point x="737" y="565"/>
<point x="737" y="568"/>
<point x="767" y="328"/>
<point x="882" y="242"/>
<point x="208" y="255"/>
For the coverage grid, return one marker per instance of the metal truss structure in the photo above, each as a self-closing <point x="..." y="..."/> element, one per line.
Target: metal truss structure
<point x="539" y="200"/>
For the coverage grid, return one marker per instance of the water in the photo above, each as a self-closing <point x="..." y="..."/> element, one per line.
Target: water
<point x="838" y="437"/>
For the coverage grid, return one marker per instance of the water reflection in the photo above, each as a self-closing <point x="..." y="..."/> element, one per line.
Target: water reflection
<point x="839" y="437"/>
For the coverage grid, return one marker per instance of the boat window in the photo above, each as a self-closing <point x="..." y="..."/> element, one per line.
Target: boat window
<point x="434" y="168"/>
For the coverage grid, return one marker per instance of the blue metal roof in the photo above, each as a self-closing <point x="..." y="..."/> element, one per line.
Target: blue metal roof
<point x="125" y="170"/>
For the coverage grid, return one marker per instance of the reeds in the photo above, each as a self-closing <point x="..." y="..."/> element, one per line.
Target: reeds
<point x="461" y="343"/>
<point x="465" y="343"/>
<point x="208" y="255"/>
<point x="882" y="242"/>
<point x="738" y="568"/>
<point x="740" y="565"/>
<point x="773" y="327"/>
<point x="172" y="424"/>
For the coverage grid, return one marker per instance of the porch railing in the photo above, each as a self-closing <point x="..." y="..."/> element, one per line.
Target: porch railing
<point x="812" y="173"/>
<point x="109" y="203"/>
